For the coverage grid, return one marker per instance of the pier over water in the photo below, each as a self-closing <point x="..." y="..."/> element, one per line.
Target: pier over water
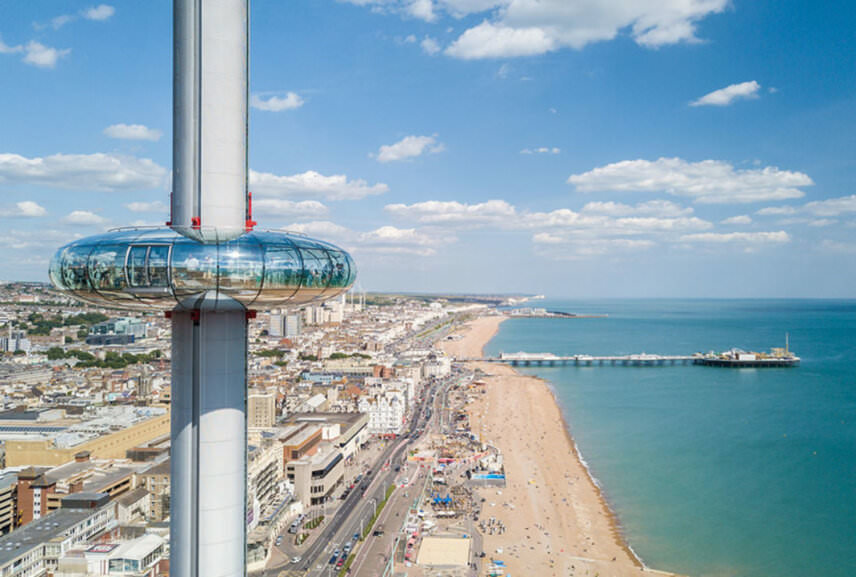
<point x="750" y="360"/>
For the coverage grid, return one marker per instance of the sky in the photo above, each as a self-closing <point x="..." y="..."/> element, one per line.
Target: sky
<point x="572" y="148"/>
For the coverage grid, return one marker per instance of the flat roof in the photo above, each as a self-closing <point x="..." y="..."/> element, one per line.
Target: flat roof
<point x="349" y="422"/>
<point x="40" y="531"/>
<point x="161" y="468"/>
<point x="139" y="548"/>
<point x="132" y="497"/>
<point x="302" y="435"/>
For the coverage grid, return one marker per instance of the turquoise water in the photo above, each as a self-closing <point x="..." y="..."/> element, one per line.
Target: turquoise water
<point x="715" y="471"/>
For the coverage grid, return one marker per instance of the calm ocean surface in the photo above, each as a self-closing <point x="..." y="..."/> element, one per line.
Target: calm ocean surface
<point x="715" y="471"/>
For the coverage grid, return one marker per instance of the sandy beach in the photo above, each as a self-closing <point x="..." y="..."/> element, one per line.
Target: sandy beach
<point x="557" y="520"/>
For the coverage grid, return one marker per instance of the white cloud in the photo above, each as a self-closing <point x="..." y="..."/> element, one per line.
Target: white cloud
<point x="30" y="208"/>
<point x="530" y="27"/>
<point x="657" y="219"/>
<point x="559" y="247"/>
<point x="739" y="219"/>
<point x="43" y="56"/>
<point x="514" y="28"/>
<point x="25" y="208"/>
<point x="708" y="181"/>
<point x="488" y="40"/>
<point x="141" y="206"/>
<point x="99" y="171"/>
<point x="132" y="132"/>
<point x="777" y="237"/>
<point x="311" y="183"/>
<point x="389" y="239"/>
<point x="100" y="13"/>
<point x="430" y="46"/>
<point x="46" y="239"/>
<point x="832" y="206"/>
<point x="320" y="228"/>
<point x="440" y="212"/>
<point x="83" y="217"/>
<point x="662" y="208"/>
<point x="383" y="240"/>
<point x="727" y="95"/>
<point x="776" y="210"/>
<point x="541" y="150"/>
<point x="280" y="207"/>
<point x="291" y="101"/>
<point x="421" y="9"/>
<point x="642" y="225"/>
<point x="61" y="21"/>
<point x="821" y="222"/>
<point x="838" y="246"/>
<point x="409" y="147"/>
<point x="6" y="49"/>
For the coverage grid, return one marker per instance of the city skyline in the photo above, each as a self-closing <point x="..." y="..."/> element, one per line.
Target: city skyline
<point x="606" y="152"/>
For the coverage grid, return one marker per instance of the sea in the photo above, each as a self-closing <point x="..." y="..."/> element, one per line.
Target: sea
<point x="713" y="471"/>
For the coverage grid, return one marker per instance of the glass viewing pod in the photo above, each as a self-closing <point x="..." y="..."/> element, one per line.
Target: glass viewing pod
<point x="148" y="269"/>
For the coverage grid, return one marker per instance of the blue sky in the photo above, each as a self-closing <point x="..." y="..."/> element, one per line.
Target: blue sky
<point x="567" y="147"/>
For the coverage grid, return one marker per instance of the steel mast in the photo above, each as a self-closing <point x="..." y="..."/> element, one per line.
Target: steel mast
<point x="209" y="336"/>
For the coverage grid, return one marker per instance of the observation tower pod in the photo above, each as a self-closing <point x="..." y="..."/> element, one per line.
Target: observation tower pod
<point x="209" y="272"/>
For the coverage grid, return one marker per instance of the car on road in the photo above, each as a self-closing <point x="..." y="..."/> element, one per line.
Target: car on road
<point x="346" y="549"/>
<point x="356" y="537"/>
<point x="333" y="559"/>
<point x="377" y="533"/>
<point x="279" y="540"/>
<point x="296" y="559"/>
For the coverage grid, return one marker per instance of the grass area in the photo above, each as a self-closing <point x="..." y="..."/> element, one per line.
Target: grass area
<point x="299" y="540"/>
<point x="312" y="523"/>
<point x="380" y="506"/>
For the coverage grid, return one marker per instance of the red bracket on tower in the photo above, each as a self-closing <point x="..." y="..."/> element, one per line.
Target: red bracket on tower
<point x="194" y="315"/>
<point x="167" y="314"/>
<point x="251" y="314"/>
<point x="195" y="222"/>
<point x="250" y="223"/>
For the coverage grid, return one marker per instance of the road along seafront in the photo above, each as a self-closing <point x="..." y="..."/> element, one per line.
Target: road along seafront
<point x="557" y="520"/>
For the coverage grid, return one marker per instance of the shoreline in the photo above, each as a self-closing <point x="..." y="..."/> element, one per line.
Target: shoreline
<point x="591" y="517"/>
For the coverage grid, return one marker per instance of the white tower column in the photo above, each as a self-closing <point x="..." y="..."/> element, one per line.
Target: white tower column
<point x="209" y="446"/>
<point x="209" y="185"/>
